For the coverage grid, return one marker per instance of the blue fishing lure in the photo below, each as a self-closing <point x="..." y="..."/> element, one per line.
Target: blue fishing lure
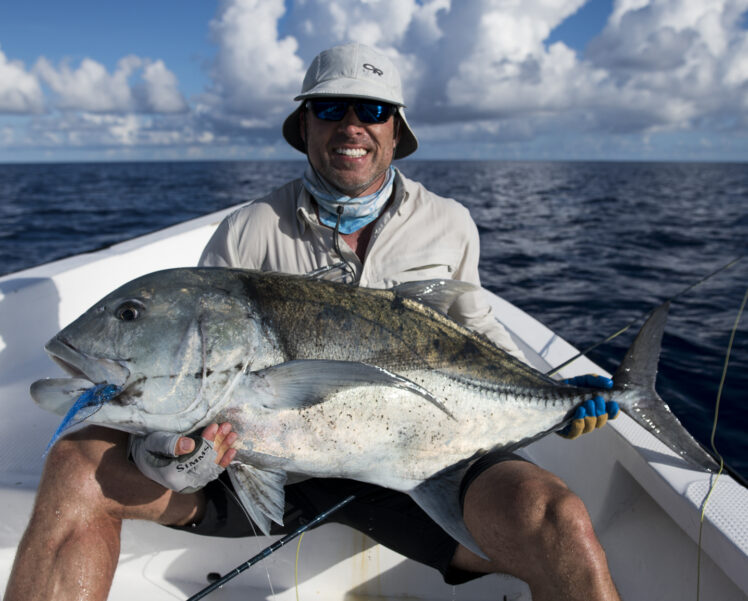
<point x="85" y="406"/>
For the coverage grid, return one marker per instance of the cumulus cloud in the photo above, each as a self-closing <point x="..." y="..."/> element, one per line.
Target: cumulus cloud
<point x="683" y="62"/>
<point x="90" y="87"/>
<point x="20" y="91"/>
<point x="255" y="70"/>
<point x="480" y="70"/>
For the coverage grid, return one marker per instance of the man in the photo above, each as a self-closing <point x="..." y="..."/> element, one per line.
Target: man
<point x="354" y="218"/>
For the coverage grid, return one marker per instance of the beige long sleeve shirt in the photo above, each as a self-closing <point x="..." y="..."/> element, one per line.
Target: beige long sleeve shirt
<point x="420" y="236"/>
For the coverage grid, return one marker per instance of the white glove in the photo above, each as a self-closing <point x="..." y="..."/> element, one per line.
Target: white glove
<point x="154" y="455"/>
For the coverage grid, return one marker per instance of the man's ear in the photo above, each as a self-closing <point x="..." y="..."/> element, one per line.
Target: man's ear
<point x="396" y="133"/>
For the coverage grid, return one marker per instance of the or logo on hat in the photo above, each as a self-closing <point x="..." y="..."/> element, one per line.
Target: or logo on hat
<point x="373" y="69"/>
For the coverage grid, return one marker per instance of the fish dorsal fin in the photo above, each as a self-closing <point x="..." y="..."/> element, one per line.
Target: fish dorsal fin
<point x="439" y="497"/>
<point x="261" y="493"/>
<point x="437" y="294"/>
<point x="307" y="382"/>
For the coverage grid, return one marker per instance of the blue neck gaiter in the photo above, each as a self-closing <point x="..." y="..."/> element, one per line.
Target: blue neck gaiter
<point x="357" y="212"/>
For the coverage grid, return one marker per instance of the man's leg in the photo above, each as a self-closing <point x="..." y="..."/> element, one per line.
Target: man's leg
<point x="71" y="545"/>
<point x="532" y="526"/>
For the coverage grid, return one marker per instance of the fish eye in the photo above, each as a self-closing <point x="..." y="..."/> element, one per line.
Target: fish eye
<point x="129" y="310"/>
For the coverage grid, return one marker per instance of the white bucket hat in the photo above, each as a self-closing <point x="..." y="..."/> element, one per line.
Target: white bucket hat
<point x="352" y="71"/>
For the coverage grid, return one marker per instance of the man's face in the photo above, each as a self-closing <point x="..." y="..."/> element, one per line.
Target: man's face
<point x="351" y="155"/>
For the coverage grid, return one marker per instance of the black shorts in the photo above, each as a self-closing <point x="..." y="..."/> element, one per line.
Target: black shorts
<point x="389" y="517"/>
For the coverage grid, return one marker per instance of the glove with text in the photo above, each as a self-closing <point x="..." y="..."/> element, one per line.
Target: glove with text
<point x="155" y="457"/>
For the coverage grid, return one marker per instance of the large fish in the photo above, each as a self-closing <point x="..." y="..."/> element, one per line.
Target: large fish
<point x="326" y="380"/>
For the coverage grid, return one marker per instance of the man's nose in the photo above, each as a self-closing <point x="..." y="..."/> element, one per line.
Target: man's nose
<point x="350" y="119"/>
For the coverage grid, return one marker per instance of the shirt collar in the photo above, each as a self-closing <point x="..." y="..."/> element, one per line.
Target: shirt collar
<point x="306" y="213"/>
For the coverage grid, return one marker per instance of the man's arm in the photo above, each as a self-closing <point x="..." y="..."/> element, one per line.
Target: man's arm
<point x="472" y="309"/>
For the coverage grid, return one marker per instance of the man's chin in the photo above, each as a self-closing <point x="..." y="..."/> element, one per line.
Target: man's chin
<point x="351" y="182"/>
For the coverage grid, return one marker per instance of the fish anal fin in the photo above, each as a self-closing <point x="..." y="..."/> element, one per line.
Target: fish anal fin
<point x="260" y="492"/>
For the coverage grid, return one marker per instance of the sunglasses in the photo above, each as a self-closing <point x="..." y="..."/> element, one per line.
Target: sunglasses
<point x="366" y="111"/>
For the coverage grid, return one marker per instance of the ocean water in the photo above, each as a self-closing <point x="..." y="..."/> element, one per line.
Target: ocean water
<point x="584" y="247"/>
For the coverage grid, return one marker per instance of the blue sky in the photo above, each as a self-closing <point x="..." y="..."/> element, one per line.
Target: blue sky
<point x="484" y="79"/>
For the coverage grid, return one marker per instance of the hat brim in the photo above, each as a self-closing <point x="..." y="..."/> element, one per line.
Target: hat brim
<point x="407" y="145"/>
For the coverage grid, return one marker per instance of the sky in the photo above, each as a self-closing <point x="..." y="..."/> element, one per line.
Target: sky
<point x="86" y="80"/>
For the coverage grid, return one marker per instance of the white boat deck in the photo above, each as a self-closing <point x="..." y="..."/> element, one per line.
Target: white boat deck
<point x="645" y="503"/>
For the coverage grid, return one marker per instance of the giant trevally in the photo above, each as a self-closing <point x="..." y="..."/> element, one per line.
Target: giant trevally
<point x="325" y="379"/>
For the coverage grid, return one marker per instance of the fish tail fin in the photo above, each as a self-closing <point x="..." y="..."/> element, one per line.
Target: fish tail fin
<point x="634" y="390"/>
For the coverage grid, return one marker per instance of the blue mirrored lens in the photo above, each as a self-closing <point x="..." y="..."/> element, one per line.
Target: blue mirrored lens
<point x="367" y="112"/>
<point x="329" y="111"/>
<point x="370" y="112"/>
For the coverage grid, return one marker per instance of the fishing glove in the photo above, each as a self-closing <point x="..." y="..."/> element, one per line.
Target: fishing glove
<point x="591" y="414"/>
<point x="154" y="455"/>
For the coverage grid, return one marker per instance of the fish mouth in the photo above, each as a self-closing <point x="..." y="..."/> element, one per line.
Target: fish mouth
<point x="59" y="395"/>
<point x="80" y="365"/>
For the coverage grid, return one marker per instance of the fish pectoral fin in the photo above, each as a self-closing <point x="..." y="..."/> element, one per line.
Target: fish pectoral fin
<point x="261" y="493"/>
<point x="58" y="395"/>
<point x="436" y="294"/>
<point x="307" y="382"/>
<point x="439" y="497"/>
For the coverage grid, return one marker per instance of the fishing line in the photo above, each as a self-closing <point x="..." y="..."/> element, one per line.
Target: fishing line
<point x="270" y="550"/>
<point x="645" y="315"/>
<point x="712" y="442"/>
<point x="296" y="566"/>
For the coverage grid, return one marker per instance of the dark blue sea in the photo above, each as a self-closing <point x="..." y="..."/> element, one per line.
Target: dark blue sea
<point x="584" y="247"/>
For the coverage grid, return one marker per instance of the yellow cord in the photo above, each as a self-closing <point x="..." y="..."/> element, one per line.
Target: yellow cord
<point x="296" y="566"/>
<point x="714" y="447"/>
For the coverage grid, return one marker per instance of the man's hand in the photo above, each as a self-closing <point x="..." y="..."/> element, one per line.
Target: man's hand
<point x="591" y="414"/>
<point x="184" y="463"/>
<point x="222" y="438"/>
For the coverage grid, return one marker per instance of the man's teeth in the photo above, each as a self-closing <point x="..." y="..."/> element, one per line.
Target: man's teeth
<point x="351" y="152"/>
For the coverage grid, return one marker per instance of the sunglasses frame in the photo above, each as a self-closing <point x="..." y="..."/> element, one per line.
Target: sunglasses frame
<point x="363" y="114"/>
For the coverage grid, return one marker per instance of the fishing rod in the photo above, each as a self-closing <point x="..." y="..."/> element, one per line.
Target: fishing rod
<point x="269" y="550"/>
<point x="645" y="315"/>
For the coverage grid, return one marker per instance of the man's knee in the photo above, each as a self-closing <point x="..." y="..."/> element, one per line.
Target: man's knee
<point x="546" y="508"/>
<point x="520" y="501"/>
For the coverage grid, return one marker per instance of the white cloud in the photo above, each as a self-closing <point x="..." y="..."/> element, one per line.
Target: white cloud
<point x="682" y="62"/>
<point x="477" y="70"/>
<point x="255" y="71"/>
<point x="159" y="90"/>
<point x="20" y="91"/>
<point x="90" y="87"/>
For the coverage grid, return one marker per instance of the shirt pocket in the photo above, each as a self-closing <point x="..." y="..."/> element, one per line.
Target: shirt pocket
<point x="425" y="265"/>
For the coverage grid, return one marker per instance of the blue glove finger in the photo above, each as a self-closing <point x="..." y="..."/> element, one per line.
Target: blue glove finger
<point x="590" y="381"/>
<point x="599" y="403"/>
<point x="612" y="409"/>
<point x="589" y="408"/>
<point x="576" y="425"/>
<point x="590" y="421"/>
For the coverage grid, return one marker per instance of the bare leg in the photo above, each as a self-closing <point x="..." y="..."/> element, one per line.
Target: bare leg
<point x="71" y="545"/>
<point x="532" y="526"/>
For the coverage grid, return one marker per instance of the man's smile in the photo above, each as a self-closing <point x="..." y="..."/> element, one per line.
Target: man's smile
<point x="352" y="152"/>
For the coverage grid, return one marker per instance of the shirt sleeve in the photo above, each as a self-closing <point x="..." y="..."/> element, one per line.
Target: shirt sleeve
<point x="219" y="252"/>
<point x="237" y="242"/>
<point x="472" y="309"/>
